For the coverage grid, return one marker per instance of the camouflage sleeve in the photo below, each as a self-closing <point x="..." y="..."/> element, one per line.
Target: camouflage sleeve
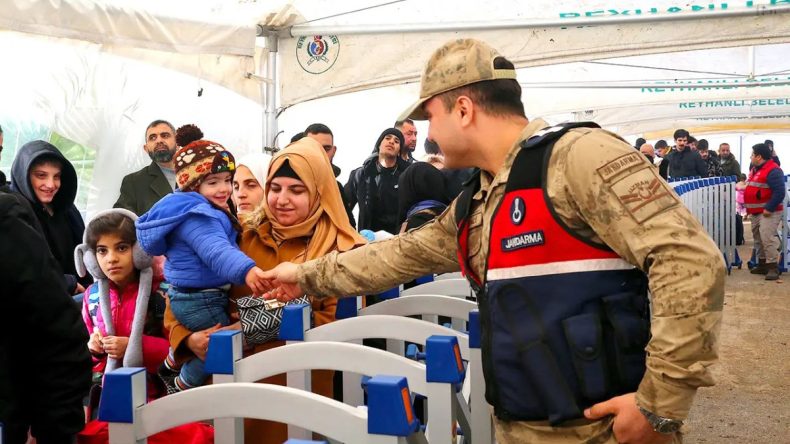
<point x="382" y="265"/>
<point x="613" y="190"/>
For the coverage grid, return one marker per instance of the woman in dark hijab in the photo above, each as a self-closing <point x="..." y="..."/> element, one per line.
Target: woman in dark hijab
<point x="422" y="195"/>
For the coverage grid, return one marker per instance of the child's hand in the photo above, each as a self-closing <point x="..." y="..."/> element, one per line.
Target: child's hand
<point x="256" y="282"/>
<point x="115" y="346"/>
<point x="198" y="341"/>
<point x="94" y="343"/>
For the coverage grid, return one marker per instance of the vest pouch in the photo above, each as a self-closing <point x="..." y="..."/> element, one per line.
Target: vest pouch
<point x="537" y="361"/>
<point x="543" y="372"/>
<point x="628" y="332"/>
<point x="585" y="338"/>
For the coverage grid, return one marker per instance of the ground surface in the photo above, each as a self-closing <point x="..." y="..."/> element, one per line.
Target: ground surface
<point x="751" y="401"/>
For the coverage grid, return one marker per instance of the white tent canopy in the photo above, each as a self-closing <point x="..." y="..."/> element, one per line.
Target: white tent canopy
<point x="97" y="72"/>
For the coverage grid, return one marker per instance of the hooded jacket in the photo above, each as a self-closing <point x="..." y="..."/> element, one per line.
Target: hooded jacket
<point x="730" y="166"/>
<point x="123" y="303"/>
<point x="63" y="229"/>
<point x="45" y="367"/>
<point x="198" y="240"/>
<point x="375" y="189"/>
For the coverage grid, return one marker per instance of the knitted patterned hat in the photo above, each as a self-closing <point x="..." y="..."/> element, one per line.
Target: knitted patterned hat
<point x="197" y="158"/>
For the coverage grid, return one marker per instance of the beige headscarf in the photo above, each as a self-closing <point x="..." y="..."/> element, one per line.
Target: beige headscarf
<point x="327" y="224"/>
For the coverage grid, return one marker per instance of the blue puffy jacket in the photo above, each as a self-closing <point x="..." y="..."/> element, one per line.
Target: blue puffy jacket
<point x="198" y="240"/>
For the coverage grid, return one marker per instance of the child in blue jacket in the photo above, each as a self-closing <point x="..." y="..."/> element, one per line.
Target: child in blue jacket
<point x="194" y="229"/>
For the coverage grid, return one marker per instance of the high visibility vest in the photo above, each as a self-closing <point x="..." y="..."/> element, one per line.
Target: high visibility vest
<point x="565" y="321"/>
<point x="757" y="192"/>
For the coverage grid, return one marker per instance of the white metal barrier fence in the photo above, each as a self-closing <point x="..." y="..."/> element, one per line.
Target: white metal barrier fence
<point x="712" y="202"/>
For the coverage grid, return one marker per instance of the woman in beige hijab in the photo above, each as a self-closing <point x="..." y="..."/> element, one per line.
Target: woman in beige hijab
<point x="302" y="217"/>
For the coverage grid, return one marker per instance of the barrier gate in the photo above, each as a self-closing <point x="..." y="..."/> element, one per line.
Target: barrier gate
<point x="712" y="202"/>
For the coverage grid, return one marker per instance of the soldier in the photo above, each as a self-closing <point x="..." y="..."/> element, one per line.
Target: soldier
<point x="557" y="253"/>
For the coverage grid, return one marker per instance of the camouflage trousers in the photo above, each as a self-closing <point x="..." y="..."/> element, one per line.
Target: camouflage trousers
<point x="578" y="432"/>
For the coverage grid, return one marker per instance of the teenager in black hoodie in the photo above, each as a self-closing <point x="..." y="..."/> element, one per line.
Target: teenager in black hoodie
<point x="374" y="186"/>
<point x="48" y="181"/>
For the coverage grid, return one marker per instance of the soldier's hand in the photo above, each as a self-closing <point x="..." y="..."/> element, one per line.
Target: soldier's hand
<point x="282" y="282"/>
<point x="630" y="425"/>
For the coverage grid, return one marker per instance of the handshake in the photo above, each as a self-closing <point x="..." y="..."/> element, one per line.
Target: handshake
<point x="279" y="283"/>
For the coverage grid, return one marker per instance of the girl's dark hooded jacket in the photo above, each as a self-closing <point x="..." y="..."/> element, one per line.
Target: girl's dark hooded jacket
<point x="63" y="229"/>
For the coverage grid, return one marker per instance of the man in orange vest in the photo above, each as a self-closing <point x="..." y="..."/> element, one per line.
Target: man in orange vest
<point x="765" y="192"/>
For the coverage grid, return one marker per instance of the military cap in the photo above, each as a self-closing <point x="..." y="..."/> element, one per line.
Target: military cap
<point x="457" y="63"/>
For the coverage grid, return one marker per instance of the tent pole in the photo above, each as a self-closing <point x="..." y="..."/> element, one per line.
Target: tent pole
<point x="270" y="86"/>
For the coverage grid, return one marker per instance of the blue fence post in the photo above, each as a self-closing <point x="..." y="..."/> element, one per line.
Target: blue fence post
<point x="390" y="411"/>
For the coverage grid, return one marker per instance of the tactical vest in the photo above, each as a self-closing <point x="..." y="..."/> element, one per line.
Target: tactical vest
<point x="757" y="192"/>
<point x="565" y="321"/>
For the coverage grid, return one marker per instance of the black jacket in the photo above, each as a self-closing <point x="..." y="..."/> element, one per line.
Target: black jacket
<point x="45" y="367"/>
<point x="686" y="163"/>
<point x="142" y="189"/>
<point x="375" y="189"/>
<point x="63" y="229"/>
<point x="336" y="170"/>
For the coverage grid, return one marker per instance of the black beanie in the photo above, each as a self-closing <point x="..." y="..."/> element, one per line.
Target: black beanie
<point x="285" y="170"/>
<point x="387" y="132"/>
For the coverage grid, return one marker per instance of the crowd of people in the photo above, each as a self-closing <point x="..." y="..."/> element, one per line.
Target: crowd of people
<point x="760" y="195"/>
<point x="197" y="234"/>
<point x="188" y="237"/>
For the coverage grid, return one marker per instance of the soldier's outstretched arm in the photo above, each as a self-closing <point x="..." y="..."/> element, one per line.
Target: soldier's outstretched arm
<point x="612" y="192"/>
<point x="382" y="265"/>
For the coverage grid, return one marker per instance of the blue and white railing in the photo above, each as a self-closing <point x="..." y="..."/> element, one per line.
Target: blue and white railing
<point x="388" y="419"/>
<point x="436" y="379"/>
<point x="712" y="202"/>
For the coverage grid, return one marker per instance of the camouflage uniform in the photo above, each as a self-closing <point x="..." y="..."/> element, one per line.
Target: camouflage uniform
<point x="605" y="192"/>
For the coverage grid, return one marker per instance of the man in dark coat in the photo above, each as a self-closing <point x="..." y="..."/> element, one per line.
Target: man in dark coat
<point x="729" y="166"/>
<point x="45" y="367"/>
<point x="323" y="135"/>
<point x="142" y="189"/>
<point x="685" y="162"/>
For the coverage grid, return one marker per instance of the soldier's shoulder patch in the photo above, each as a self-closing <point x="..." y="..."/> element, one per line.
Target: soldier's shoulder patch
<point x="644" y="194"/>
<point x="622" y="163"/>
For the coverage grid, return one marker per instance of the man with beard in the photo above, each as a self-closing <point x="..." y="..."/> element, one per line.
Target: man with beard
<point x="729" y="166"/>
<point x="142" y="189"/>
<point x="410" y="139"/>
<point x="710" y="157"/>
<point x="685" y="161"/>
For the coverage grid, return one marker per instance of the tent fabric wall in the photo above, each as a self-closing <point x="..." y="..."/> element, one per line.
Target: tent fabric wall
<point x="356" y="62"/>
<point x="104" y="102"/>
<point x="97" y="72"/>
